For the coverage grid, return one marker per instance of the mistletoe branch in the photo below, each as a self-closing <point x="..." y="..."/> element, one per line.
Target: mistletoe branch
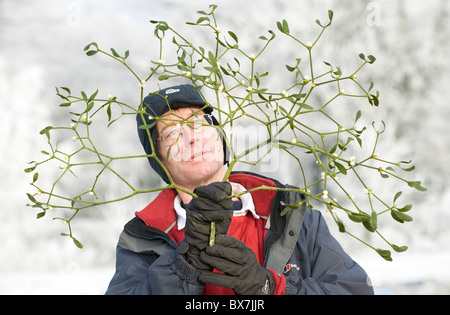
<point x="241" y="93"/>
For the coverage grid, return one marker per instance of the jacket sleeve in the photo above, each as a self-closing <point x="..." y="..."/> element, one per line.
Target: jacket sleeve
<point x="150" y="273"/>
<point x="324" y="266"/>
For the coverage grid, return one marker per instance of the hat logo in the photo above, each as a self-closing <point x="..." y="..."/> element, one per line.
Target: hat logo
<point x="170" y="91"/>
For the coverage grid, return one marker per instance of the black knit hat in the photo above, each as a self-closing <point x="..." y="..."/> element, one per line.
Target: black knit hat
<point x="160" y="102"/>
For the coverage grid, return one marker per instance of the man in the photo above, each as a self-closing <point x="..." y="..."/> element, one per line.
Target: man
<point x="165" y="249"/>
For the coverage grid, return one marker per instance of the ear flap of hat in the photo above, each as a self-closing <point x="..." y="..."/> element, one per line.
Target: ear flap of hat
<point x="145" y="141"/>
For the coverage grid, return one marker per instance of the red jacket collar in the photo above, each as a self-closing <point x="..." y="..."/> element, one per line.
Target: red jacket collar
<point x="156" y="214"/>
<point x="160" y="214"/>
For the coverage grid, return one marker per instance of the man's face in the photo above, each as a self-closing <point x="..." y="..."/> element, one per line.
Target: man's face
<point x="189" y="147"/>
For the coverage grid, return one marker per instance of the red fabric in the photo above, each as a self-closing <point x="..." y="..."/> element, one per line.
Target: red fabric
<point x="249" y="230"/>
<point x="280" y="283"/>
<point x="162" y="220"/>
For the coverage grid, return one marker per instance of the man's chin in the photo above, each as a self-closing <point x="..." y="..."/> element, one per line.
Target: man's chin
<point x="199" y="172"/>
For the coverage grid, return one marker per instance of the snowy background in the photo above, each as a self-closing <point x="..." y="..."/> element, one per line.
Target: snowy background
<point x="42" y="47"/>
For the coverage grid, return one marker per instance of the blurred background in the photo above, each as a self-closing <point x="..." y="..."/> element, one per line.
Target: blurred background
<point x="42" y="48"/>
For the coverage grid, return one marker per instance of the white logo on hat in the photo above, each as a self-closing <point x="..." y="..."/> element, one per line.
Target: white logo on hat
<point x="170" y="91"/>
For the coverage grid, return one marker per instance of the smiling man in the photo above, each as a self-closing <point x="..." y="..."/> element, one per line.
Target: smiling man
<point x="165" y="248"/>
<point x="192" y="148"/>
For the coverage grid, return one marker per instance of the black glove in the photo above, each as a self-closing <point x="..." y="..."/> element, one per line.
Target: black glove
<point x="211" y="205"/>
<point x="243" y="274"/>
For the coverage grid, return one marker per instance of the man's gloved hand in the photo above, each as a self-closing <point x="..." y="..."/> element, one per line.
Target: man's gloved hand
<point x="243" y="274"/>
<point x="210" y="205"/>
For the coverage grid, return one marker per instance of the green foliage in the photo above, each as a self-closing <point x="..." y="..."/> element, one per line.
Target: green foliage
<point x="241" y="90"/>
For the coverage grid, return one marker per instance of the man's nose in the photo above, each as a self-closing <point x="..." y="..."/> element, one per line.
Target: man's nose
<point x="190" y="134"/>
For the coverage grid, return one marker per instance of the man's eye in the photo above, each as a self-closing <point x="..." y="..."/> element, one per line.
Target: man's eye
<point x="172" y="134"/>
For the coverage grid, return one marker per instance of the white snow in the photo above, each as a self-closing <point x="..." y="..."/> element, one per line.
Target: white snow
<point x="84" y="282"/>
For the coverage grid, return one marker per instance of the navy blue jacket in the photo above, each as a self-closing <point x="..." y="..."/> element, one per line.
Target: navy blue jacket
<point x="298" y="246"/>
